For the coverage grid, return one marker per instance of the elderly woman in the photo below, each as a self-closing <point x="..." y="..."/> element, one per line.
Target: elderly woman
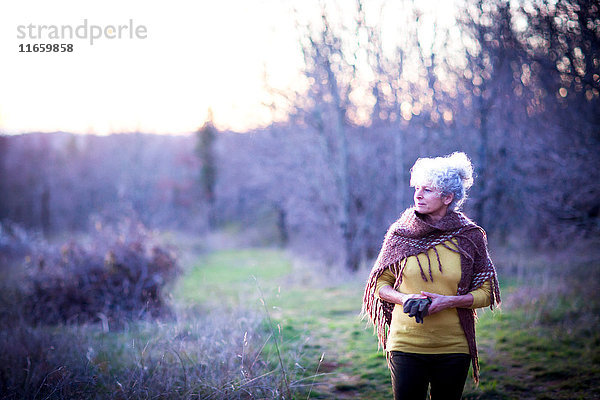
<point x="434" y="265"/>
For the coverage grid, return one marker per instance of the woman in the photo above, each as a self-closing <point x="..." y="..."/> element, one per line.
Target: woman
<point x="434" y="264"/>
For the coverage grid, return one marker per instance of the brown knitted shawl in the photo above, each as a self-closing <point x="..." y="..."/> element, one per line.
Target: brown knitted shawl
<point x="410" y="235"/>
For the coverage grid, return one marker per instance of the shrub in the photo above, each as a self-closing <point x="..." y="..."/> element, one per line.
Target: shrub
<point x="116" y="276"/>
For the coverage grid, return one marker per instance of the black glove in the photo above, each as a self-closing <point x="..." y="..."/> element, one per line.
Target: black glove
<point x="408" y="304"/>
<point x="417" y="308"/>
<point x="423" y="309"/>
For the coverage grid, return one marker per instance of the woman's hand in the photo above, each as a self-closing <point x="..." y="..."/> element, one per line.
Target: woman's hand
<point x="439" y="302"/>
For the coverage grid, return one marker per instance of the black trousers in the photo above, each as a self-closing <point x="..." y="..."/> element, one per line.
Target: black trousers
<point x="413" y="373"/>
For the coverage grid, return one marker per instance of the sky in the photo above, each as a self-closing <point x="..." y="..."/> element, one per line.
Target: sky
<point x="174" y="61"/>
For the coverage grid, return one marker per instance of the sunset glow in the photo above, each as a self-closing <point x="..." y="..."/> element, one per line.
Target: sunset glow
<point x="194" y="56"/>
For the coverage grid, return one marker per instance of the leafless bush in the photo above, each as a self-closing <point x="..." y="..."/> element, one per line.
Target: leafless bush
<point x="117" y="275"/>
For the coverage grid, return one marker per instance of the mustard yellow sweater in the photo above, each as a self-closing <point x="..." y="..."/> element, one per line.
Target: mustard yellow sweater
<point x="440" y="332"/>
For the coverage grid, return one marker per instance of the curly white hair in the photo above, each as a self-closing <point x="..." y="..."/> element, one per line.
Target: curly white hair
<point x="449" y="174"/>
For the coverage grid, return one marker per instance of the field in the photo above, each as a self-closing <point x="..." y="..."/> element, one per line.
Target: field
<point x="257" y="323"/>
<point x="543" y="343"/>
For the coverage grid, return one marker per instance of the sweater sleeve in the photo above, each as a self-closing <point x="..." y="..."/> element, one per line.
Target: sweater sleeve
<point x="385" y="279"/>
<point x="482" y="295"/>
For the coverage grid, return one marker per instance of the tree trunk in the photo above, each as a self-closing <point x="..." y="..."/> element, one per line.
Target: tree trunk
<point x="399" y="184"/>
<point x="342" y="176"/>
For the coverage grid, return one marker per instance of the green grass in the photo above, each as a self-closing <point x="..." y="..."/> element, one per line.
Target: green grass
<point x="227" y="277"/>
<point x="528" y="355"/>
<point x="545" y="348"/>
<point x="329" y="318"/>
<point x="310" y="320"/>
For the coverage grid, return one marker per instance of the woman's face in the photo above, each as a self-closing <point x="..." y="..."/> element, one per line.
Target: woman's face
<point x="429" y="200"/>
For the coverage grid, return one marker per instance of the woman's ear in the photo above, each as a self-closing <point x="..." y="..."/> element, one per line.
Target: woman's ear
<point x="448" y="199"/>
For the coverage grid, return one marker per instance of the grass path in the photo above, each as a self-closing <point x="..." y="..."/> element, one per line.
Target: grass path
<point x="543" y="347"/>
<point x="312" y="319"/>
